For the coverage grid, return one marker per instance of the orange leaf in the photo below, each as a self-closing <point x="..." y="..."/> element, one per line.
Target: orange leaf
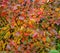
<point x="36" y="0"/>
<point x="17" y="11"/>
<point x="20" y="1"/>
<point x="43" y="1"/>
<point x="51" y="0"/>
<point x="31" y="26"/>
<point x="44" y="39"/>
<point x="31" y="45"/>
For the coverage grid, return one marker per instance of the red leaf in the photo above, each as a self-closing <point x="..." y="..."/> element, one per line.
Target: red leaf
<point x="35" y="35"/>
<point x="26" y="34"/>
<point x="3" y="13"/>
<point x="40" y="13"/>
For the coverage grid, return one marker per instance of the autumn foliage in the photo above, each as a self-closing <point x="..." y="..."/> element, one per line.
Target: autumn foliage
<point x="30" y="26"/>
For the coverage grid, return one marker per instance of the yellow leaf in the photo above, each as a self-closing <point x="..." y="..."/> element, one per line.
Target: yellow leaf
<point x="7" y="35"/>
<point x="57" y="9"/>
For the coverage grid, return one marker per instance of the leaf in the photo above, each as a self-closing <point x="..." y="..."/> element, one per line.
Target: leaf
<point x="20" y="1"/>
<point x="3" y="33"/>
<point x="7" y="35"/>
<point x="43" y="1"/>
<point x="44" y="39"/>
<point x="26" y="34"/>
<point x="58" y="46"/>
<point x="54" y="51"/>
<point x="51" y="0"/>
<point x="48" y="39"/>
<point x="3" y="13"/>
<point x="57" y="9"/>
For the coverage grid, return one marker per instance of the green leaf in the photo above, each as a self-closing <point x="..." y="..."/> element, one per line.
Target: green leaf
<point x="48" y="39"/>
<point x="54" y="51"/>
